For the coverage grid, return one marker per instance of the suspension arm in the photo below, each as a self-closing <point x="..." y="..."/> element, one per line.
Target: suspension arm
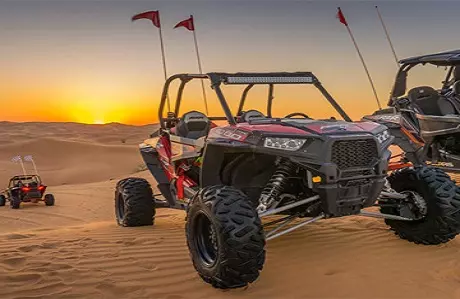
<point x="385" y="216"/>
<point x="297" y="226"/>
<point x="394" y="195"/>
<point x="289" y="206"/>
<point x="280" y="220"/>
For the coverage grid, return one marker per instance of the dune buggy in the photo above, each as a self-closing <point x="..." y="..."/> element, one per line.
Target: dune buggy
<point x="25" y="188"/>
<point x="229" y="177"/>
<point x="425" y="120"/>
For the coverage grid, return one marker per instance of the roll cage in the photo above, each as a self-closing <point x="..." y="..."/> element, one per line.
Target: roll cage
<point x="449" y="59"/>
<point x="248" y="79"/>
<point x="24" y="179"/>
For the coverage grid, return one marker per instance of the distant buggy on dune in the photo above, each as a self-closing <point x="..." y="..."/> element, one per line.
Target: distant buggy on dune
<point x="25" y="188"/>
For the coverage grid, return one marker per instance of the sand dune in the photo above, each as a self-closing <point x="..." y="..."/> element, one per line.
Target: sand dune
<point x="85" y="255"/>
<point x="75" y="250"/>
<point x="65" y="162"/>
<point x="113" y="133"/>
<point x="72" y="153"/>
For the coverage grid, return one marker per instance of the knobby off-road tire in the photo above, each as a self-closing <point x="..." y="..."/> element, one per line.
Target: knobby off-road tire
<point x="442" y="220"/>
<point x="2" y="200"/>
<point x="225" y="237"/>
<point x="134" y="202"/>
<point x="49" y="199"/>
<point x="15" y="202"/>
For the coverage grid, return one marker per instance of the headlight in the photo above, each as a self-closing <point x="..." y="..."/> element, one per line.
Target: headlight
<point x="382" y="137"/>
<point x="288" y="144"/>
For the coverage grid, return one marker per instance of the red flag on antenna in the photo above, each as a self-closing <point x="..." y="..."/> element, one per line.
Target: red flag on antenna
<point x="153" y="15"/>
<point x="188" y="23"/>
<point x="341" y="17"/>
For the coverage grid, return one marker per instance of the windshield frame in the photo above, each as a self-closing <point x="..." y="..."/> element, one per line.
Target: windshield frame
<point x="217" y="79"/>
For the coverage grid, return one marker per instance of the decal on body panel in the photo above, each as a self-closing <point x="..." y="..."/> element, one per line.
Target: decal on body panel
<point x="230" y="133"/>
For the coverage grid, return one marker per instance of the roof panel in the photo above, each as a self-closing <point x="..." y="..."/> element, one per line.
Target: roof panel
<point x="443" y="58"/>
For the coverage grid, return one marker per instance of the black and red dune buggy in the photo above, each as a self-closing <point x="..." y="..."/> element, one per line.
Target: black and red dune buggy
<point x="25" y="188"/>
<point x="256" y="165"/>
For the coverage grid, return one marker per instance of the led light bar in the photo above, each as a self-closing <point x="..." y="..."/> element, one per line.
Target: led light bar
<point x="268" y="80"/>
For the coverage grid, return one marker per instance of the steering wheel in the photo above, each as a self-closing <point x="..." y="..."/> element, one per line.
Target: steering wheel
<point x="291" y="115"/>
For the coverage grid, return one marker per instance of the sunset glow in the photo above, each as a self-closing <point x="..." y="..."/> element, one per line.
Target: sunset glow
<point x="89" y="63"/>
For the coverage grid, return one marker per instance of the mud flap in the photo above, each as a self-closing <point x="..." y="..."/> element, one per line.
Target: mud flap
<point x="165" y="190"/>
<point x="152" y="162"/>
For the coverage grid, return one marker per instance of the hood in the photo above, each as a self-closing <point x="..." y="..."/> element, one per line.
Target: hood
<point x="308" y="126"/>
<point x="334" y="127"/>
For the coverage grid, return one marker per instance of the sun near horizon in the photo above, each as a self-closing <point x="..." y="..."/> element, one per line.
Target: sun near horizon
<point x="105" y="69"/>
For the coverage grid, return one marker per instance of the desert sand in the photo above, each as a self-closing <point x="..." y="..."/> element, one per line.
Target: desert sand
<point x="75" y="250"/>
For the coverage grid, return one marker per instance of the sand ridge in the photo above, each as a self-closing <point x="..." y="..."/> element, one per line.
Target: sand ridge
<point x="75" y="250"/>
<point x="71" y="153"/>
<point x="347" y="258"/>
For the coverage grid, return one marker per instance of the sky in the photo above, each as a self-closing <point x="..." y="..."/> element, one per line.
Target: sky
<point x="85" y="61"/>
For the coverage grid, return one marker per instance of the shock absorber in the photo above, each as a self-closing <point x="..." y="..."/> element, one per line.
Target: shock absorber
<point x="276" y="184"/>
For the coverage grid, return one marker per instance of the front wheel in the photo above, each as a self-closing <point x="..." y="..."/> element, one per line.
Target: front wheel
<point x="434" y="201"/>
<point x="225" y="237"/>
<point x="134" y="202"/>
<point x="2" y="200"/>
<point x="15" y="202"/>
<point x="49" y="199"/>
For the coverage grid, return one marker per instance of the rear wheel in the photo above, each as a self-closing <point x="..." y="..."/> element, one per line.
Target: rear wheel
<point x="49" y="199"/>
<point x="2" y="200"/>
<point x="15" y="202"/>
<point x="434" y="201"/>
<point x="134" y="202"/>
<point x="225" y="237"/>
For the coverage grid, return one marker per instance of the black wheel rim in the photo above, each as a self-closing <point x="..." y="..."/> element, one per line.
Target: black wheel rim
<point x="205" y="240"/>
<point x="417" y="206"/>
<point x="120" y="207"/>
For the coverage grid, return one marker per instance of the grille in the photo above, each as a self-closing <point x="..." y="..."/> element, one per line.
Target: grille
<point x="354" y="153"/>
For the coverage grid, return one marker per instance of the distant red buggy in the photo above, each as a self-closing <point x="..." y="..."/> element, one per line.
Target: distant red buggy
<point x="25" y="188"/>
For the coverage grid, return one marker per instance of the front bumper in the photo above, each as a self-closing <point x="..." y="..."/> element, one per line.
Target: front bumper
<point x="347" y="192"/>
<point x="352" y="166"/>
